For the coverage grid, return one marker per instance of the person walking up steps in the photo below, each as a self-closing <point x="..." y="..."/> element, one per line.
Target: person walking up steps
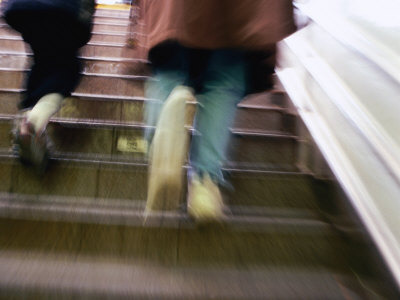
<point x="55" y="30"/>
<point x="204" y="51"/>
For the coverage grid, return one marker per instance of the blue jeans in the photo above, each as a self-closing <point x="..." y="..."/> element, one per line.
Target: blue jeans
<point x="220" y="83"/>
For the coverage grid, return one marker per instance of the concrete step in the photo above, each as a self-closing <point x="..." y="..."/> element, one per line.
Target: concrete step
<point x="96" y="108"/>
<point x="82" y="276"/>
<point x="92" y="108"/>
<point x="110" y="19"/>
<point x="266" y="118"/>
<point x="13" y="43"/>
<point x="252" y="238"/>
<point x="117" y="27"/>
<point x="125" y="212"/>
<point x="114" y="13"/>
<point x="100" y="24"/>
<point x="111" y="181"/>
<point x="277" y="97"/>
<point x="15" y="60"/>
<point x="123" y="85"/>
<point x="108" y="37"/>
<point x="114" y="50"/>
<point x="90" y="83"/>
<point x="120" y="15"/>
<point x="107" y="140"/>
<point x="112" y="230"/>
<point x="6" y="31"/>
<point x="256" y="150"/>
<point x="83" y="208"/>
<point x="49" y="276"/>
<point x="111" y="66"/>
<point x="102" y="37"/>
<point x="91" y="202"/>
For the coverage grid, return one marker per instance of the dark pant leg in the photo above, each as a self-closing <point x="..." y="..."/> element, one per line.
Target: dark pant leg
<point x="56" y="67"/>
<point x="223" y="86"/>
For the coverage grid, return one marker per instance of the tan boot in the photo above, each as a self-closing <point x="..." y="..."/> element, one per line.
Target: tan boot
<point x="168" y="152"/>
<point x="204" y="200"/>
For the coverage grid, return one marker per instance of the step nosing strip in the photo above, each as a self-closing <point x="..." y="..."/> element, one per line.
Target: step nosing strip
<point x="265" y="171"/>
<point x="107" y="97"/>
<point x="109" y="33"/>
<point x="15" y="53"/>
<point x="12" y="90"/>
<point x="272" y="212"/>
<point x="119" y="24"/>
<point x="88" y="58"/>
<point x="261" y="107"/>
<point x="34" y="208"/>
<point x="101" y="97"/>
<point x="105" y="44"/>
<point x="102" y="44"/>
<point x="107" y="160"/>
<point x="11" y="37"/>
<point x="89" y="74"/>
<point x="107" y="123"/>
<point x="265" y="133"/>
<point x="8" y="69"/>
<point x="107" y="75"/>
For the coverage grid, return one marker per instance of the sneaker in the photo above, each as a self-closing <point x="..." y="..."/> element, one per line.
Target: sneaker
<point x="204" y="200"/>
<point x="31" y="147"/>
<point x="168" y="152"/>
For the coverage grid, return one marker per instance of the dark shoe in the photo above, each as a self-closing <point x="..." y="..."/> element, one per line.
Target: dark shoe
<point x="31" y="146"/>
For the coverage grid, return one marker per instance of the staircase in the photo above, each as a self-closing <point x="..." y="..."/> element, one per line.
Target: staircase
<point x="79" y="231"/>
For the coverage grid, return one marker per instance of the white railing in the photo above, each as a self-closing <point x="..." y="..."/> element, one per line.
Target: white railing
<point x="339" y="77"/>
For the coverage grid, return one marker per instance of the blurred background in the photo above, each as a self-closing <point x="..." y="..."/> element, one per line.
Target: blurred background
<point x="313" y="172"/>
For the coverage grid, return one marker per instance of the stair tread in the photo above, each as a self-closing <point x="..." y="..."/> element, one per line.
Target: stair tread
<point x="104" y="97"/>
<point x="90" y="277"/>
<point x="19" y="38"/>
<point x="278" y="169"/>
<point x="131" y="213"/>
<point x="86" y="73"/>
<point x="8" y="32"/>
<point x="122" y="24"/>
<point x="112" y="181"/>
<point x="111" y="59"/>
<point x="94" y="123"/>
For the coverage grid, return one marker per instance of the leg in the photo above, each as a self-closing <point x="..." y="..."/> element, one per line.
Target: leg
<point x="168" y="149"/>
<point x="223" y="88"/>
<point x="53" y="76"/>
<point x="51" y="80"/>
<point x="41" y="113"/>
<point x="56" y="67"/>
<point x="157" y="91"/>
<point x="169" y="70"/>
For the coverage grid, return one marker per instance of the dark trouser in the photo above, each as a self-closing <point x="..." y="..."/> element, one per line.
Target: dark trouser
<point x="56" y="67"/>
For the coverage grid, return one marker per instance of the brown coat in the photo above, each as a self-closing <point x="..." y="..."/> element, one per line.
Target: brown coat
<point x="211" y="24"/>
<point x="251" y="25"/>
